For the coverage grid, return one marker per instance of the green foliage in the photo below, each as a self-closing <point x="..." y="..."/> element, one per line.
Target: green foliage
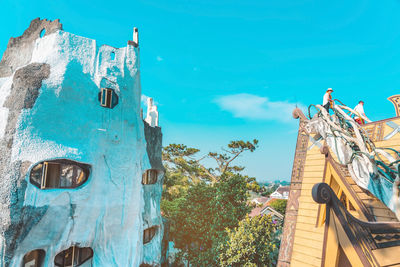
<point x="255" y="242"/>
<point x="279" y="205"/>
<point x="202" y="202"/>
<point x="266" y="191"/>
<point x="252" y="184"/>
<point x="205" y="214"/>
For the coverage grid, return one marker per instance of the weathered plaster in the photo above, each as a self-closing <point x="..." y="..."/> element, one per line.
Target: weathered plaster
<point x="49" y="109"/>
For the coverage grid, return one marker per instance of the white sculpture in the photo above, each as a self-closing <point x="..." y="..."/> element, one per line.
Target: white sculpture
<point x="152" y="113"/>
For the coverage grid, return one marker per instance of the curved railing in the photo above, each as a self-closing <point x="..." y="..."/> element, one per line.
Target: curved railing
<point x="370" y="235"/>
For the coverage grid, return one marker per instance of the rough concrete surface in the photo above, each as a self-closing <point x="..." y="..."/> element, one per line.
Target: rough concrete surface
<point x="49" y="109"/>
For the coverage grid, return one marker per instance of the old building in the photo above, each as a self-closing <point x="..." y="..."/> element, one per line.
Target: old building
<point x="81" y="172"/>
<point x="340" y="212"/>
<point x="282" y="192"/>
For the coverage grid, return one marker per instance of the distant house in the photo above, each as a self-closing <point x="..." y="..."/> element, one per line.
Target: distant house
<point x="265" y="209"/>
<point x="282" y="192"/>
<point x="260" y="200"/>
<point x="274" y="214"/>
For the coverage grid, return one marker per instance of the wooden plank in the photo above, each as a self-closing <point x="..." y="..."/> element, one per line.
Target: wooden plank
<point x="315" y="162"/>
<point x="374" y="203"/>
<point x="387" y="256"/>
<point x="346" y="244"/>
<point x="313" y="175"/>
<point x="315" y="156"/>
<point x="306" y="199"/>
<point x="392" y="142"/>
<point x="332" y="244"/>
<point x="308" y="211"/>
<point x="310" y="242"/>
<point x="304" y="249"/>
<point x="385" y="212"/>
<point x="309" y="227"/>
<point x="299" y="263"/>
<point x="312" y="261"/>
<point x="309" y="220"/>
<point x="313" y="180"/>
<point x="318" y="168"/>
<point x="309" y="206"/>
<point x="309" y="235"/>
<point x="306" y="193"/>
<point x="363" y="196"/>
<point x="309" y="186"/>
<point x="356" y="188"/>
<point x="386" y="219"/>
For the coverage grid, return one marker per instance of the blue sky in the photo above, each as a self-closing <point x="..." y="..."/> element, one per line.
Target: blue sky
<point x="222" y="70"/>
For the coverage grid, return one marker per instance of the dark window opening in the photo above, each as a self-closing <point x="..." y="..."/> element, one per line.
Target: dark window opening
<point x="42" y="32"/>
<point x="61" y="173"/>
<point x="108" y="98"/>
<point x="149" y="177"/>
<point x="34" y="258"/>
<point x="351" y="207"/>
<point x="112" y="55"/>
<point x="148" y="234"/>
<point x="73" y="256"/>
<point x="343" y="199"/>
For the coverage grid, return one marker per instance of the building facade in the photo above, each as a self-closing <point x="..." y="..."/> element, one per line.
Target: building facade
<point x="81" y="172"/>
<point x="331" y="220"/>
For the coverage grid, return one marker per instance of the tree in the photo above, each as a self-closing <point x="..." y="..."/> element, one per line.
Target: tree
<point x="205" y="214"/>
<point x="201" y="202"/>
<point x="184" y="160"/>
<point x="255" y="242"/>
<point x="279" y="205"/>
<point x="269" y="190"/>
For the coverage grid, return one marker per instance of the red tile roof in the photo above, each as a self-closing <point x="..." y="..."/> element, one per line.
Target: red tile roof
<point x="257" y="210"/>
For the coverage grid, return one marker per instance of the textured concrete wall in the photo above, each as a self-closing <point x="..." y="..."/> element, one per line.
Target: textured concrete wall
<point x="49" y="109"/>
<point x="152" y="252"/>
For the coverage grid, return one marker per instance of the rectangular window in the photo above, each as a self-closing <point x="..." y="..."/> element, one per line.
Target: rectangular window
<point x="106" y="97"/>
<point x="51" y="175"/>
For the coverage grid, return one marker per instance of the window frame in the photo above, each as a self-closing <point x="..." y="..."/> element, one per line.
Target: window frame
<point x="42" y="182"/>
<point x="39" y="259"/>
<point x="148" y="179"/>
<point x="108" y="98"/>
<point x="75" y="253"/>
<point x="149" y="233"/>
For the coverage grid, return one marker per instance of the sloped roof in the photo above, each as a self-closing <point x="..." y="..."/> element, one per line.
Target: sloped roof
<point x="283" y="189"/>
<point x="261" y="199"/>
<point x="257" y="210"/>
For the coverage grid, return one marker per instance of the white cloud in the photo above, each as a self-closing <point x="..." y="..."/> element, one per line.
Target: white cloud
<point x="248" y="106"/>
<point x="159" y="58"/>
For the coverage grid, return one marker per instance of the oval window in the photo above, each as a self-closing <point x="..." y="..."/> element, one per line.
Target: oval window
<point x="73" y="256"/>
<point x="149" y="177"/>
<point x="34" y="258"/>
<point x="60" y="173"/>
